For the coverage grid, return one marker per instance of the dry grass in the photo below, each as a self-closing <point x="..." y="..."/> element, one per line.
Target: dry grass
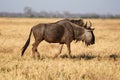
<point x="97" y="62"/>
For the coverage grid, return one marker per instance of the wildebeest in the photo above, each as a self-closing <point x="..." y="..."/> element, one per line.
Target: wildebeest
<point x="63" y="32"/>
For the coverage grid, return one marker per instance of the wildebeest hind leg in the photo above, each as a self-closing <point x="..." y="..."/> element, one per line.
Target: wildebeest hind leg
<point x="34" y="49"/>
<point x="61" y="46"/>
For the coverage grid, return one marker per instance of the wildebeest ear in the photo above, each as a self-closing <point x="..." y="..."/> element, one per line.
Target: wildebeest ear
<point x="92" y="29"/>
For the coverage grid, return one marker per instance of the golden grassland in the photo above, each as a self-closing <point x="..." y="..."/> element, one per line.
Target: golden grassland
<point x="100" y="61"/>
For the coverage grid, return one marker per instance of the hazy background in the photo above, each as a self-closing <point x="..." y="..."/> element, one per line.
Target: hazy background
<point x="73" y="6"/>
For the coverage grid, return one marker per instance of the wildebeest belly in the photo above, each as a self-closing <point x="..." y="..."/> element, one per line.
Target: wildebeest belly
<point x="54" y="34"/>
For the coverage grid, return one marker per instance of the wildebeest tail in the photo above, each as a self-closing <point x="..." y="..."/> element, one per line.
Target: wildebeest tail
<point x="26" y="44"/>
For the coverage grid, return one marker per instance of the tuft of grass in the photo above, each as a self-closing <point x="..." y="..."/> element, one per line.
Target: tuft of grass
<point x="6" y="50"/>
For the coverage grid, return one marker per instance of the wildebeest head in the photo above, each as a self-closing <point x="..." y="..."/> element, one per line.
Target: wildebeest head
<point x="87" y="35"/>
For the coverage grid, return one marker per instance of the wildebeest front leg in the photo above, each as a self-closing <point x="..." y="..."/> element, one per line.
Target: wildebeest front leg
<point x="69" y="50"/>
<point x="61" y="46"/>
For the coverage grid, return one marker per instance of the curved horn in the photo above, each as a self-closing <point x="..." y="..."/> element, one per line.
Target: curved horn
<point x="90" y="24"/>
<point x="81" y="22"/>
<point x="85" y="25"/>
